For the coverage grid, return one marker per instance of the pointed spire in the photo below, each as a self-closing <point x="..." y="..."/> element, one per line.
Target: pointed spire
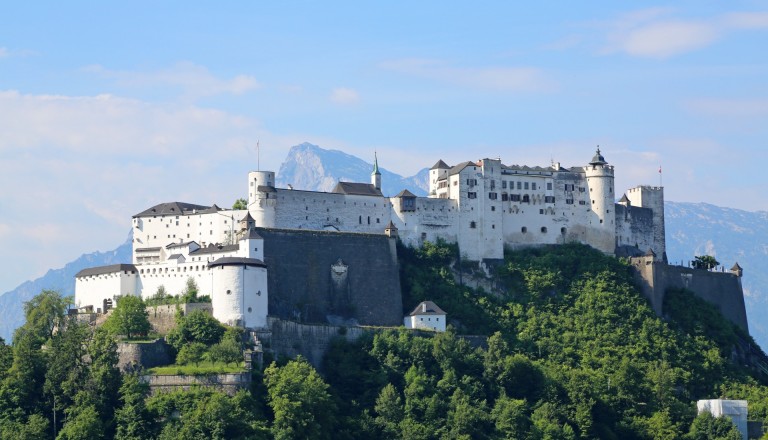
<point x="375" y="164"/>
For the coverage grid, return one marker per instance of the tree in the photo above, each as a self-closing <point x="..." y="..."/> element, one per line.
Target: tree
<point x="130" y="317"/>
<point x="191" y="353"/>
<point x="227" y="351"/>
<point x="389" y="407"/>
<point x="240" y="203"/>
<point x="82" y="424"/>
<point x="197" y="326"/>
<point x="708" y="427"/>
<point x="704" y="262"/>
<point x="134" y="422"/>
<point x="300" y="400"/>
<point x="189" y="295"/>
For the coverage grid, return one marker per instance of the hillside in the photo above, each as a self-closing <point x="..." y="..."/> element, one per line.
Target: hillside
<point x="574" y="352"/>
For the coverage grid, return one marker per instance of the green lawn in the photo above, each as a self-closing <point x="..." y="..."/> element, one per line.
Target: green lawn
<point x="205" y="367"/>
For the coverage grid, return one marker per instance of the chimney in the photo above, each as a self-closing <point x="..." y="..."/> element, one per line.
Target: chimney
<point x="424" y="307"/>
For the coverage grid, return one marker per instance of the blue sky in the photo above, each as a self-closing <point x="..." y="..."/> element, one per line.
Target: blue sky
<point x="107" y="108"/>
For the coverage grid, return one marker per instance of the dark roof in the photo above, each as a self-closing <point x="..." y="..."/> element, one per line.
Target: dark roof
<point x="175" y="256"/>
<point x="736" y="267"/>
<point x="598" y="159"/>
<point x="248" y="217"/>
<point x="650" y="253"/>
<point x="237" y="261"/>
<point x="101" y="270"/>
<point x="440" y="165"/>
<point x="405" y="193"/>
<point x="253" y="234"/>
<point x="262" y="188"/>
<point x="186" y="243"/>
<point x="214" y="208"/>
<point x="457" y="168"/>
<point x="357" y="189"/>
<point x="432" y="309"/>
<point x="215" y="249"/>
<point x="390" y="225"/>
<point x="624" y="199"/>
<point x="172" y="208"/>
<point x="152" y="249"/>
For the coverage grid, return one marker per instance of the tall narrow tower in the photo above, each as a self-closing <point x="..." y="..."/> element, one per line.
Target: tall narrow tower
<point x="376" y="175"/>
<point x="601" y="230"/>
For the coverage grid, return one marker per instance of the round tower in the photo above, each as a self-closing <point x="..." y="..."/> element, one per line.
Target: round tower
<point x="376" y="175"/>
<point x="239" y="291"/>
<point x="602" y="228"/>
<point x="262" y="197"/>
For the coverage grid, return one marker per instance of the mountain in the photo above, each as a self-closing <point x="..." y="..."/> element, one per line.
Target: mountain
<point x="309" y="167"/>
<point x="63" y="280"/>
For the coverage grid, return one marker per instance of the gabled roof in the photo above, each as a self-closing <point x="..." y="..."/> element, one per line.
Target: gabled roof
<point x="440" y="165"/>
<point x="736" y="267"/>
<point x="247" y="217"/>
<point x="176" y="257"/>
<point x="173" y="208"/>
<point x="357" y="189"/>
<point x="405" y="193"/>
<point x="456" y="169"/>
<point x="215" y="249"/>
<point x="101" y="270"/>
<point x="430" y="307"/>
<point x="390" y="225"/>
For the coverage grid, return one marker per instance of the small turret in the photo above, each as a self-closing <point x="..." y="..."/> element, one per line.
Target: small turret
<point x="737" y="270"/>
<point x="376" y="175"/>
<point x="390" y="230"/>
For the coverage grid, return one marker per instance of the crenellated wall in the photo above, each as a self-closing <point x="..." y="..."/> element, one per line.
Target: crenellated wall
<point x="721" y="289"/>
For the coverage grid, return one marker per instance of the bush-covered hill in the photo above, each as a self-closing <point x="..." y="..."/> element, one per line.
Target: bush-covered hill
<point x="573" y="351"/>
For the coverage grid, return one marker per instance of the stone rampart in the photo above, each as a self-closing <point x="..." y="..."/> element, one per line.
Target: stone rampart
<point x="721" y="289"/>
<point x="332" y="277"/>
<point x="132" y="355"/>
<point x="228" y="383"/>
<point x="163" y="318"/>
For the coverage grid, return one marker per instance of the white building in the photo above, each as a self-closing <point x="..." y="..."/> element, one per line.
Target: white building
<point x="233" y="275"/>
<point x="426" y="316"/>
<point x="736" y="410"/>
<point x="483" y="206"/>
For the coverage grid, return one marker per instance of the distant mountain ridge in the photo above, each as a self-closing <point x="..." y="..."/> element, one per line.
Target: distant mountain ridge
<point x="311" y="168"/>
<point x="62" y="279"/>
<point x="692" y="229"/>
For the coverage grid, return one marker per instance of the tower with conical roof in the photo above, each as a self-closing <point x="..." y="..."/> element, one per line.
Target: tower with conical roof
<point x="601" y="227"/>
<point x="376" y="175"/>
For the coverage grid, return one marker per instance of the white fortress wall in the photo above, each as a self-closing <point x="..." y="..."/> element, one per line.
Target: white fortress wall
<point x="320" y="211"/>
<point x="94" y="289"/>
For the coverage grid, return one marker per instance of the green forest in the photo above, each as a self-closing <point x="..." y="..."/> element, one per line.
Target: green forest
<point x="573" y="352"/>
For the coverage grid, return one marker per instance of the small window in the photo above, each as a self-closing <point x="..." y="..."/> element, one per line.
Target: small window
<point x="250" y="309"/>
<point x="563" y="231"/>
<point x="526" y="185"/>
<point x="543" y="229"/>
<point x="229" y="292"/>
<point x="471" y="195"/>
<point x="524" y="230"/>
<point x="533" y="185"/>
<point x="492" y="196"/>
<point x="549" y="186"/>
<point x="473" y="225"/>
<point x="541" y="211"/>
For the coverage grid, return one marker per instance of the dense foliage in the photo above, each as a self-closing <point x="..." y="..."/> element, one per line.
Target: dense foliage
<point x="573" y="351"/>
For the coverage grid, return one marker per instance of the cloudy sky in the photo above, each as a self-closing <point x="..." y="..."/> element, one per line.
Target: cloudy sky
<point x="108" y="108"/>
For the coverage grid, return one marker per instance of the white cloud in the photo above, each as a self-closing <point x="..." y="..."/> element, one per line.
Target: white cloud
<point x="505" y="79"/>
<point x="195" y="81"/>
<point x="344" y="96"/>
<point x="652" y="33"/>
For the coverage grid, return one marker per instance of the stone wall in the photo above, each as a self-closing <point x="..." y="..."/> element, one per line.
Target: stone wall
<point x="721" y="289"/>
<point x="228" y="383"/>
<point x="290" y="339"/>
<point x="163" y="318"/>
<point x="132" y="355"/>
<point x="332" y="277"/>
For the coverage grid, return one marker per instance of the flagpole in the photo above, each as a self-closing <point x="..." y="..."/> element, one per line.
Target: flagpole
<point x="258" y="157"/>
<point x="661" y="184"/>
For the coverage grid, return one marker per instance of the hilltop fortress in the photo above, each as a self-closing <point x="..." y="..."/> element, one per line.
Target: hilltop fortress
<point x="330" y="256"/>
